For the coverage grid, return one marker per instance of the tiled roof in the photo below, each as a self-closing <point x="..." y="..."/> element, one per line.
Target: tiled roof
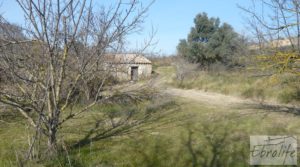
<point x="126" y="59"/>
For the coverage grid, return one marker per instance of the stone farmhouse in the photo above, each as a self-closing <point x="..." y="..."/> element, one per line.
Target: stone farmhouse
<point x="128" y="67"/>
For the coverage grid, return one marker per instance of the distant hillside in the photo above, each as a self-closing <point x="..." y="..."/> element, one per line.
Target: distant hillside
<point x="278" y="43"/>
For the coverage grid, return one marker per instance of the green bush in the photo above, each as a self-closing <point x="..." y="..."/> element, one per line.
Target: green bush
<point x="289" y="95"/>
<point x="248" y="93"/>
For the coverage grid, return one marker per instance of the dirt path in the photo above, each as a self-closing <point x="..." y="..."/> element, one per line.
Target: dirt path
<point x="207" y="97"/>
<point x="215" y="99"/>
<point x="161" y="82"/>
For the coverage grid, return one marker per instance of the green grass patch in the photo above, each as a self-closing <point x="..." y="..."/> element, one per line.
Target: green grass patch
<point x="283" y="88"/>
<point x="176" y="132"/>
<point x="181" y="129"/>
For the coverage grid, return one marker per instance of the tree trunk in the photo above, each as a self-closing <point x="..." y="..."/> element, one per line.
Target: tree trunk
<point x="52" y="142"/>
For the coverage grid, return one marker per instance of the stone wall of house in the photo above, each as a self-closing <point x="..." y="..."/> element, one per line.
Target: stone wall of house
<point x="123" y="71"/>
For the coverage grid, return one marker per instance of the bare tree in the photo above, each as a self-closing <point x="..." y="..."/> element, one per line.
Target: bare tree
<point x="277" y="27"/>
<point x="61" y="53"/>
<point x="185" y="70"/>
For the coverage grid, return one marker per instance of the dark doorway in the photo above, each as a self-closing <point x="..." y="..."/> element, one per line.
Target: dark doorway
<point x="134" y="73"/>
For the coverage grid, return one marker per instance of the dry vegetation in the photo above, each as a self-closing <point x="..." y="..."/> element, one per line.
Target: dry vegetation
<point x="181" y="132"/>
<point x="60" y="105"/>
<point x="280" y="88"/>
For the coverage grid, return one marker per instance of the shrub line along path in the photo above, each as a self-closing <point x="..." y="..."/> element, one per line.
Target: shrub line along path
<point x="214" y="99"/>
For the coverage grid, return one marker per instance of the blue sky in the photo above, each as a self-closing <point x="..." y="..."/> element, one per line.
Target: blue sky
<point x="171" y="18"/>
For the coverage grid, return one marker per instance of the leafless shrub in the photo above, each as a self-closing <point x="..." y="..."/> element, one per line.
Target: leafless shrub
<point x="60" y="57"/>
<point x="185" y="70"/>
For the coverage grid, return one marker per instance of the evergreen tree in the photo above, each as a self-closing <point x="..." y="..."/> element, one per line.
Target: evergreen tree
<point x="208" y="42"/>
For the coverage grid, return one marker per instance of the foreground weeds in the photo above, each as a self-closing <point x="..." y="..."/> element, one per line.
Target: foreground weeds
<point x="179" y="133"/>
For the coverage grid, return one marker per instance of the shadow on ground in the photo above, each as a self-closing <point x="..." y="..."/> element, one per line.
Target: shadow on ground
<point x="270" y="108"/>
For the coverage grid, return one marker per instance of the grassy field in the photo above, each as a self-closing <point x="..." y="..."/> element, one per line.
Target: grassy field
<point x="282" y="88"/>
<point x="181" y="132"/>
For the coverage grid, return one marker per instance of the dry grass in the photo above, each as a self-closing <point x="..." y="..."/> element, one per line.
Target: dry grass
<point x="166" y="140"/>
<point x="282" y="88"/>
